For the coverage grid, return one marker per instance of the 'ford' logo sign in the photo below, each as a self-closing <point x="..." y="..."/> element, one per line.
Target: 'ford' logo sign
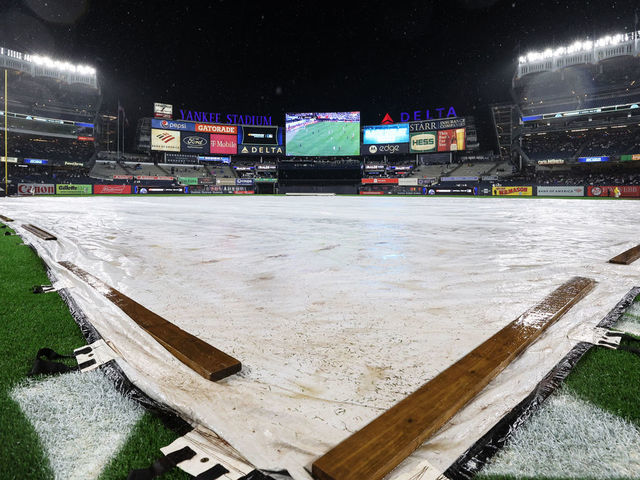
<point x="194" y="141"/>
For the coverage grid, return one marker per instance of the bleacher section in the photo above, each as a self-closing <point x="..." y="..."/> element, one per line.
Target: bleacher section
<point x="433" y="171"/>
<point x="107" y="169"/>
<point x="472" y="169"/>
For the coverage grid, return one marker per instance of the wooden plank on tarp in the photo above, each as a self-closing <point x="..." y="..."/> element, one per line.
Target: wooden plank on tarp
<point x="627" y="257"/>
<point x="205" y="359"/>
<point x="375" y="450"/>
<point x="38" y="232"/>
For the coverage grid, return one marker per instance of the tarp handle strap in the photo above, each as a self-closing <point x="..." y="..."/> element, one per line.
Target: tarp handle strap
<point x="42" y="366"/>
<point x="623" y="336"/>
<point x="265" y="475"/>
<point x="162" y="465"/>
<point x="213" y="473"/>
<point x="627" y="348"/>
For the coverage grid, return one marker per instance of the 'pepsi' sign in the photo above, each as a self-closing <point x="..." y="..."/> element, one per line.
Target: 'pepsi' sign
<point x="172" y="125"/>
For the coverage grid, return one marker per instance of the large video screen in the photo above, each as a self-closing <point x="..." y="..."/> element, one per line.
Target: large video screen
<point x="394" y="133"/>
<point x="323" y="134"/>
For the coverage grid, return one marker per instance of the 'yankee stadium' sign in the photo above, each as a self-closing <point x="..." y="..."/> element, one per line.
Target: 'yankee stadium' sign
<point x="216" y="117"/>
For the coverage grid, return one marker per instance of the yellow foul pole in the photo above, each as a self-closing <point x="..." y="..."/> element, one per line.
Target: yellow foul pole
<point x="6" y="153"/>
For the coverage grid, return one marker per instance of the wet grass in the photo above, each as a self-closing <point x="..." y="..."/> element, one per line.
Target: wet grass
<point x="29" y="322"/>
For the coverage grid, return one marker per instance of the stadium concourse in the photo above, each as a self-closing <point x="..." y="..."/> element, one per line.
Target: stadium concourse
<point x="338" y="307"/>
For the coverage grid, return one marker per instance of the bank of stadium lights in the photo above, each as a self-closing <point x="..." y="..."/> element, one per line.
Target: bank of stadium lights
<point x="63" y="66"/>
<point x="576" y="47"/>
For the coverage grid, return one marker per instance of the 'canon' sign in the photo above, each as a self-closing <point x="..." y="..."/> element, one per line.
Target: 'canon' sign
<point x="36" y="189"/>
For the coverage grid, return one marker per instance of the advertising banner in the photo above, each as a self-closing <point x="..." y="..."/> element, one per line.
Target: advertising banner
<point x="614" y="191"/>
<point x="512" y="191"/>
<point x="188" y="180"/>
<point x="85" y="139"/>
<point x="226" y="181"/>
<point x="458" y="179"/>
<point x="112" y="189"/>
<point x="562" y="191"/>
<point x="165" y="140"/>
<point x="380" y="180"/>
<point x="180" y="159"/>
<point x="219" y="129"/>
<point x="206" y="158"/>
<point x="224" y="144"/>
<point x="146" y="190"/>
<point x="265" y="180"/>
<point x="630" y="158"/>
<point x="426" y="181"/>
<point x="408" y="181"/>
<point x="592" y="159"/>
<point x="9" y="159"/>
<point x="423" y="142"/>
<point x="451" y="191"/>
<point x="206" y="180"/>
<point x="123" y="177"/>
<point x="244" y="181"/>
<point x="151" y="177"/>
<point x="551" y="161"/>
<point x="205" y="189"/>
<point x="260" y="149"/>
<point x="36" y="189"/>
<point x="384" y="149"/>
<point x="371" y="192"/>
<point x="383" y="134"/>
<point x="64" y="189"/>
<point x="250" y="135"/>
<point x="173" y="125"/>
<point x="35" y="161"/>
<point x="195" y="142"/>
<point x="162" y="110"/>
<point x="451" y="140"/>
<point x="445" y="123"/>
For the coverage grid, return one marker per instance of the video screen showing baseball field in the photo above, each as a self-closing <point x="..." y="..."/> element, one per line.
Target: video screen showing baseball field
<point x="323" y="134"/>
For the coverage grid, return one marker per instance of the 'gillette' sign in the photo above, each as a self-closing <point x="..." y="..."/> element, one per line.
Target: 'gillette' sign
<point x="216" y="117"/>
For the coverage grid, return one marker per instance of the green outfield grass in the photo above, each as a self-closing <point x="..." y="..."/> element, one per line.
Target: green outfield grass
<point x="30" y="322"/>
<point x="607" y="379"/>
<point x="325" y="139"/>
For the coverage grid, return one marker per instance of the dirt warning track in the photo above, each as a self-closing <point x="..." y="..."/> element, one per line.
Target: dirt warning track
<point x="384" y="443"/>
<point x="208" y="361"/>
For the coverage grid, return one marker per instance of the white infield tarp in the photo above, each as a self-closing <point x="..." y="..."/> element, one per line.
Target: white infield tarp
<point x="338" y="307"/>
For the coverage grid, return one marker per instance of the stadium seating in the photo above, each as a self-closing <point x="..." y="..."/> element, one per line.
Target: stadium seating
<point x="472" y="169"/>
<point x="433" y="171"/>
<point x="106" y="169"/>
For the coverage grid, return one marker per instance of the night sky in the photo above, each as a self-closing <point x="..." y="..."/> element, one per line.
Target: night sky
<point x="267" y="58"/>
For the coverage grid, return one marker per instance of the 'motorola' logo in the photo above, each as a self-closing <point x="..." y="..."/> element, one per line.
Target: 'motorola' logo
<point x="423" y="142"/>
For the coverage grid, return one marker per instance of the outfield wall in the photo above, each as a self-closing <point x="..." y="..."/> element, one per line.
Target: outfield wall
<point x="368" y="186"/>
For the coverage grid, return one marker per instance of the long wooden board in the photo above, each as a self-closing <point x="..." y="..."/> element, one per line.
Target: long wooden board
<point x="205" y="359"/>
<point x="627" y="257"/>
<point x="37" y="231"/>
<point x="371" y="453"/>
<point x="6" y="219"/>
